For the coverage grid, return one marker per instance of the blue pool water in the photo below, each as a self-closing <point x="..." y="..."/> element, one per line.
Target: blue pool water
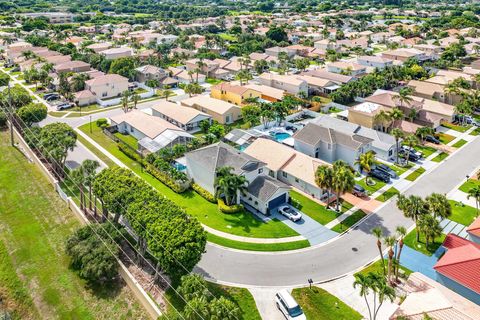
<point x="243" y="147"/>
<point x="179" y="166"/>
<point x="280" y="136"/>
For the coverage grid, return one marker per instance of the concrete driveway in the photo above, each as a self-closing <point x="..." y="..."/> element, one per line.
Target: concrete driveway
<point x="313" y="231"/>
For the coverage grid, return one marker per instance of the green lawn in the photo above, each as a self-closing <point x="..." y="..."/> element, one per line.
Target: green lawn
<point x="456" y="127"/>
<point x="95" y="151"/>
<point x="440" y="157"/>
<point x="371" y="188"/>
<point x="241" y="224"/>
<point x="35" y="224"/>
<point x="318" y="304"/>
<point x="415" y="174"/>
<point x="228" y="37"/>
<point x="460" y="143"/>
<point x="411" y="241"/>
<point x="469" y="184"/>
<point x="128" y="139"/>
<point x="258" y="246"/>
<point x="240" y="296"/>
<point x="475" y="132"/>
<point x="349" y="221"/>
<point x="388" y="194"/>
<point x="426" y="150"/>
<point x="90" y="107"/>
<point x="445" y="138"/>
<point x="462" y="213"/>
<point x="313" y="209"/>
<point x="400" y="170"/>
<point x="213" y="81"/>
<point x="377" y="267"/>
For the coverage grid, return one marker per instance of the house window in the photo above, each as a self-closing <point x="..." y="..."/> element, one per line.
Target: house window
<point x="104" y="94"/>
<point x="284" y="174"/>
<point x="329" y="146"/>
<point x="271" y="173"/>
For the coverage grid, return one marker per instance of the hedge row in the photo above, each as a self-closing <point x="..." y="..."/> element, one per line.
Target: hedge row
<point x="229" y="209"/>
<point x="165" y="179"/>
<point x="129" y="152"/>
<point x="204" y="193"/>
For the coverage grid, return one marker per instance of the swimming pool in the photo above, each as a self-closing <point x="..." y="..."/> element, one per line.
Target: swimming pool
<point x="243" y="147"/>
<point x="179" y="166"/>
<point x="280" y="136"/>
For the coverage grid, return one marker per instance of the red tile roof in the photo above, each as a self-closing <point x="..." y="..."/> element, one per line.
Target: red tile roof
<point x="461" y="262"/>
<point x="474" y="228"/>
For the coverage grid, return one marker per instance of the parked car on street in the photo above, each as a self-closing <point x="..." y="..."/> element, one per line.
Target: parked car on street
<point x="288" y="306"/>
<point x="411" y="156"/>
<point x="406" y="149"/>
<point x="432" y="139"/>
<point x="51" y="97"/>
<point x="380" y="175"/>
<point x="289" y="213"/>
<point x="64" y="106"/>
<point x="383" y="167"/>
<point x="359" y="191"/>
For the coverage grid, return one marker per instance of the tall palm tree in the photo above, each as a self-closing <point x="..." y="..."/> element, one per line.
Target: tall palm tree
<point x="343" y="180"/>
<point x="77" y="83"/>
<point x="395" y="115"/>
<point x="365" y="283"/>
<point x="135" y="98"/>
<point x="401" y="233"/>
<point x="411" y="141"/>
<point x="323" y="179"/>
<point x="404" y="96"/>
<point x="125" y="101"/>
<point x="397" y="134"/>
<point x="90" y="171"/>
<point x="439" y="206"/>
<point x="423" y="132"/>
<point x="383" y="119"/>
<point x="78" y="178"/>
<point x="365" y="162"/>
<point x="383" y="292"/>
<point x="228" y="184"/>
<point x="430" y="227"/>
<point x="378" y="233"/>
<point x="412" y="207"/>
<point x="390" y="242"/>
<point x="475" y="193"/>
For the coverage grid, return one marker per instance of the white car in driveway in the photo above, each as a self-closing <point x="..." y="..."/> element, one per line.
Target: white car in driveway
<point x="288" y="306"/>
<point x="289" y="213"/>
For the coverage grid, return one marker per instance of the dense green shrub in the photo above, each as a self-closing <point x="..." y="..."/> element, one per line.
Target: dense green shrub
<point x="129" y="152"/>
<point x="3" y="120"/>
<point x="176" y="186"/>
<point x="102" y="123"/>
<point x="236" y="208"/>
<point x="204" y="193"/>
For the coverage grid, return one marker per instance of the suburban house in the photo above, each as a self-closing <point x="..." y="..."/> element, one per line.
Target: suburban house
<point x="288" y="165"/>
<point x="474" y="231"/>
<point x="330" y="144"/>
<point x="267" y="93"/>
<point x="383" y="144"/>
<point x="318" y="85"/>
<point x="233" y="93"/>
<point x="263" y="193"/>
<point x="287" y="83"/>
<point x="347" y="68"/>
<point x="149" y="72"/>
<point x="434" y="91"/>
<point x="152" y="133"/>
<point x="221" y="111"/>
<point x="206" y="67"/>
<point x="327" y="44"/>
<point x="185" y="118"/>
<point x="72" y="66"/>
<point x="459" y="268"/>
<point x="403" y="54"/>
<point x="183" y="76"/>
<point x="115" y="53"/>
<point x="364" y="114"/>
<point x="84" y="98"/>
<point x="275" y="51"/>
<point x="374" y="62"/>
<point x="107" y="86"/>
<point x="337" y="78"/>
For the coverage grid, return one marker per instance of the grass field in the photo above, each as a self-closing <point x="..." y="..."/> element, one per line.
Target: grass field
<point x="371" y="188"/>
<point x="426" y="150"/>
<point x="456" y="127"/>
<point x="445" y="138"/>
<point x="440" y="157"/>
<point x="460" y="143"/>
<point x="462" y="213"/>
<point x="377" y="267"/>
<point x="411" y="241"/>
<point x="469" y="184"/>
<point x="242" y="224"/>
<point x="258" y="246"/>
<point x="313" y="209"/>
<point x="128" y="139"/>
<point x="387" y="194"/>
<point x="415" y="174"/>
<point x="35" y="224"/>
<point x="318" y="304"/>
<point x="349" y="221"/>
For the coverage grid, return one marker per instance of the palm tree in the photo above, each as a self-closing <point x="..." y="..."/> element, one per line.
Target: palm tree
<point x="412" y="207"/>
<point x="135" y="98"/>
<point x="378" y="233"/>
<point x="343" y="180"/>
<point x="411" y="142"/>
<point x="77" y="83"/>
<point x="78" y="178"/>
<point x="397" y="134"/>
<point x="475" y="193"/>
<point x="390" y="242"/>
<point x="439" y="206"/>
<point x="364" y="282"/>
<point x="430" y="227"/>
<point x="228" y="184"/>
<point x="90" y="171"/>
<point x="323" y="179"/>
<point x="423" y="132"/>
<point x="404" y="96"/>
<point x="365" y="162"/>
<point x="125" y="101"/>
<point x="401" y="232"/>
<point x="395" y="115"/>
<point x="383" y="118"/>
<point x="383" y="292"/>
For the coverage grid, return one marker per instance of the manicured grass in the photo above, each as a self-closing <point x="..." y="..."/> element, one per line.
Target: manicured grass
<point x="462" y="213"/>
<point x="213" y="81"/>
<point x="128" y="139"/>
<point x="240" y="296"/>
<point x="475" y="132"/>
<point x="35" y="224"/>
<point x="411" y="241"/>
<point x="456" y="127"/>
<point x="318" y="304"/>
<point x="228" y="37"/>
<point x="90" y="107"/>
<point x="426" y="150"/>
<point x="400" y="170"/>
<point x="469" y="184"/>
<point x="313" y="209"/>
<point x="388" y="194"/>
<point x="460" y="143"/>
<point x="258" y="246"/>
<point x="241" y="224"/>
<point x="371" y="188"/>
<point x="415" y="174"/>
<point x="440" y="157"/>
<point x="349" y="221"/>
<point x="57" y="114"/>
<point x="377" y="268"/>
<point x="444" y="138"/>
<point x="95" y="151"/>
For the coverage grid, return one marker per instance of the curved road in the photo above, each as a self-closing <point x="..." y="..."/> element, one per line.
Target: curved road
<point x="337" y="258"/>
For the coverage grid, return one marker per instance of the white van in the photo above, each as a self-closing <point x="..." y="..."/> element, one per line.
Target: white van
<point x="288" y="306"/>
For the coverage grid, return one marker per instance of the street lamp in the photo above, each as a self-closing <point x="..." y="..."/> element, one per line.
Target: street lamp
<point x="310" y="281"/>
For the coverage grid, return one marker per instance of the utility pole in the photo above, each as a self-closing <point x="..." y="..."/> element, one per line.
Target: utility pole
<point x="11" y="115"/>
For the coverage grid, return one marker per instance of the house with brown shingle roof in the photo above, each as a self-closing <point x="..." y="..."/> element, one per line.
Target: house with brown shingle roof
<point x="233" y="93"/>
<point x="107" y="86"/>
<point x="185" y="118"/>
